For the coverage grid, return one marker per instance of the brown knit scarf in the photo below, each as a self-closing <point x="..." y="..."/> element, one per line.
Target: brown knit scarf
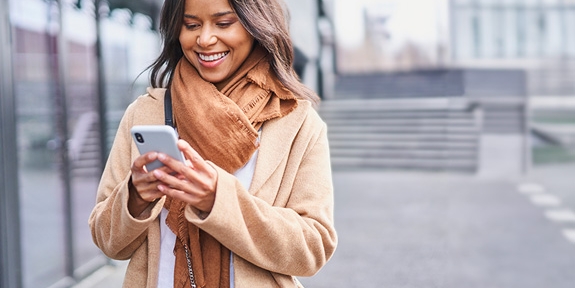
<point x="222" y="126"/>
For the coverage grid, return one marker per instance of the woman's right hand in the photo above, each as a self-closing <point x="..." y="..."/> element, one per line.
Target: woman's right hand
<point x="143" y="184"/>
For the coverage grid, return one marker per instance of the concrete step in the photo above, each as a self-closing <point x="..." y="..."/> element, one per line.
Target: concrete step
<point x="400" y="145"/>
<point x="401" y="122"/>
<point x="89" y="155"/>
<point x="421" y="134"/>
<point x="401" y="130"/>
<point x="394" y="104"/>
<point x="394" y="137"/>
<point x="88" y="162"/>
<point x="428" y="104"/>
<point x="350" y="163"/>
<point x="86" y="172"/>
<point x="404" y="154"/>
<point x="343" y="114"/>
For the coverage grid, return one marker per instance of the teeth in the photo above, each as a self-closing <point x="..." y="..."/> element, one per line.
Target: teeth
<point x="213" y="57"/>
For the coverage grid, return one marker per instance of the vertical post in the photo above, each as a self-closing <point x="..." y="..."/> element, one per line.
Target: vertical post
<point x="10" y="249"/>
<point x="499" y="11"/>
<point x="452" y="7"/>
<point x="58" y="55"/>
<point x="542" y="29"/>
<point x="101" y="88"/>
<point x="521" y="33"/>
<point x="476" y="24"/>
<point x="564" y="31"/>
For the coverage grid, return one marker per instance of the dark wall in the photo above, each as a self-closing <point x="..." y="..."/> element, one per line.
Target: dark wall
<point x="433" y="83"/>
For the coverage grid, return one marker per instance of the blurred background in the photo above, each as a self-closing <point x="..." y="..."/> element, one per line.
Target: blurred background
<point x="451" y="126"/>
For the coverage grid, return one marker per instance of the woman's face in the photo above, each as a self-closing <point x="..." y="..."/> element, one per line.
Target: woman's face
<point x="214" y="40"/>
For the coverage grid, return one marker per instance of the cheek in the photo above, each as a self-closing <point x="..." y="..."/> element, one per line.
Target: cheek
<point x="186" y="40"/>
<point x="245" y="41"/>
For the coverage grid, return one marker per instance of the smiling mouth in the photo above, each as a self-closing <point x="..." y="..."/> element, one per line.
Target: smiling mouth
<point x="214" y="57"/>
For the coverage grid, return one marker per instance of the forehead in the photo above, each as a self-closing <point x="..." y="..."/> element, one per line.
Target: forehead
<point x="207" y="7"/>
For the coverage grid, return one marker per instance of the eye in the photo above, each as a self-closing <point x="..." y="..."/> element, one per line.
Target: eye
<point x="224" y="24"/>
<point x="191" y="26"/>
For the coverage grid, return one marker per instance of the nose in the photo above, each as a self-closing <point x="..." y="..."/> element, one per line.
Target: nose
<point x="206" y="37"/>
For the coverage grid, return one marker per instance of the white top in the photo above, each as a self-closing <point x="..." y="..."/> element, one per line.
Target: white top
<point x="168" y="238"/>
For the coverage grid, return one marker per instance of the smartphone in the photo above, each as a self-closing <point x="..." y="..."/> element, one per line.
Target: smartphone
<point x="159" y="138"/>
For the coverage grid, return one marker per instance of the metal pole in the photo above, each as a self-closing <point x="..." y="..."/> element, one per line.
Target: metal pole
<point x="10" y="248"/>
<point x="564" y="31"/>
<point x="101" y="89"/>
<point x="452" y="30"/>
<point x="58" y="56"/>
<point x="542" y="29"/>
<point x="521" y="33"/>
<point x="499" y="11"/>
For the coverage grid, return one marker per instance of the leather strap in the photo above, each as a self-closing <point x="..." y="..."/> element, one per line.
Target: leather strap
<point x="168" y="108"/>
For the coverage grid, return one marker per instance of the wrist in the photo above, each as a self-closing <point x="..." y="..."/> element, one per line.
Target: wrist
<point x="136" y="204"/>
<point x="203" y="214"/>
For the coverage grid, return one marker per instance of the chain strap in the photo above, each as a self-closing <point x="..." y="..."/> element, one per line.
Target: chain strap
<point x="169" y="121"/>
<point x="190" y="270"/>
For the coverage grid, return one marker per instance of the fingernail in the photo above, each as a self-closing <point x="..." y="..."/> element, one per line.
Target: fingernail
<point x="152" y="155"/>
<point x="161" y="188"/>
<point x="157" y="173"/>
<point x="161" y="156"/>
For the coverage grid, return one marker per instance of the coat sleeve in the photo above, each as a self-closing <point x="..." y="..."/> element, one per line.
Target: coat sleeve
<point x="295" y="236"/>
<point x="114" y="230"/>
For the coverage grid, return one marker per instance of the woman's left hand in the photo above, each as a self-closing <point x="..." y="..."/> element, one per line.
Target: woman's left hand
<point x="195" y="181"/>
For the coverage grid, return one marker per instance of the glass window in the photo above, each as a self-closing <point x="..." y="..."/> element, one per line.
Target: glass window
<point x="41" y="185"/>
<point x="55" y="78"/>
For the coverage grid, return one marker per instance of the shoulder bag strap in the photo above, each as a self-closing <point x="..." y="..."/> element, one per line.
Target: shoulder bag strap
<point x="168" y="108"/>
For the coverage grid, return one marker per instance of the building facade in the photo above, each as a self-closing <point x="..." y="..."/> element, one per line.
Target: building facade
<point x="60" y="105"/>
<point x="535" y="35"/>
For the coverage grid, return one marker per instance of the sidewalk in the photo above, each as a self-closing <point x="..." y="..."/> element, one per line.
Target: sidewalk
<point x="557" y="179"/>
<point x="436" y="230"/>
<point x="440" y="230"/>
<point x="110" y="276"/>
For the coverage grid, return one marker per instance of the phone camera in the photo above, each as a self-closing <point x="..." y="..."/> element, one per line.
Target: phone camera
<point x="139" y="138"/>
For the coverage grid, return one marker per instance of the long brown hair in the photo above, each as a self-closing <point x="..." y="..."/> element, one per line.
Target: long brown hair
<point x="265" y="20"/>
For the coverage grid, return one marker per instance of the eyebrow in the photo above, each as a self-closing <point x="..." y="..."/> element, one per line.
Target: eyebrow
<point x="218" y="14"/>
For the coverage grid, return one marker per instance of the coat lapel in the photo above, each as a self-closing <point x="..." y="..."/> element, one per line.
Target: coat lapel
<point x="277" y="138"/>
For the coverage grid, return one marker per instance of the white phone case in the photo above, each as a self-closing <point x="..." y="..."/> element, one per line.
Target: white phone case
<point x="159" y="138"/>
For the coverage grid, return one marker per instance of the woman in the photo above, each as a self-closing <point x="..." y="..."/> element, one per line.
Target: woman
<point x="253" y="204"/>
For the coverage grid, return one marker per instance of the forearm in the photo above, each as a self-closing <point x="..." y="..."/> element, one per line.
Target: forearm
<point x="114" y="230"/>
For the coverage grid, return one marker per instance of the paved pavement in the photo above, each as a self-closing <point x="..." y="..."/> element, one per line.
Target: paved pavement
<point x="444" y="230"/>
<point x="433" y="230"/>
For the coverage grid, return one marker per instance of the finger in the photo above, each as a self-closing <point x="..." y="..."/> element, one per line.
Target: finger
<point x="194" y="183"/>
<point x="176" y="193"/>
<point x="153" y="194"/>
<point x="147" y="190"/>
<point x="139" y="178"/>
<point x="141" y="161"/>
<point x="192" y="155"/>
<point x="180" y="183"/>
<point x="203" y="174"/>
<point x="167" y="170"/>
<point x="172" y="164"/>
<point x="203" y="202"/>
<point x="145" y="182"/>
<point x="170" y="180"/>
<point x="197" y="162"/>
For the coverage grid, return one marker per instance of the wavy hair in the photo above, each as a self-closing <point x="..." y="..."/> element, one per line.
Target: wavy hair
<point x="266" y="20"/>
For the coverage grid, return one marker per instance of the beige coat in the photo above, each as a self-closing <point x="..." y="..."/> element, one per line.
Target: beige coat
<point x="282" y="226"/>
